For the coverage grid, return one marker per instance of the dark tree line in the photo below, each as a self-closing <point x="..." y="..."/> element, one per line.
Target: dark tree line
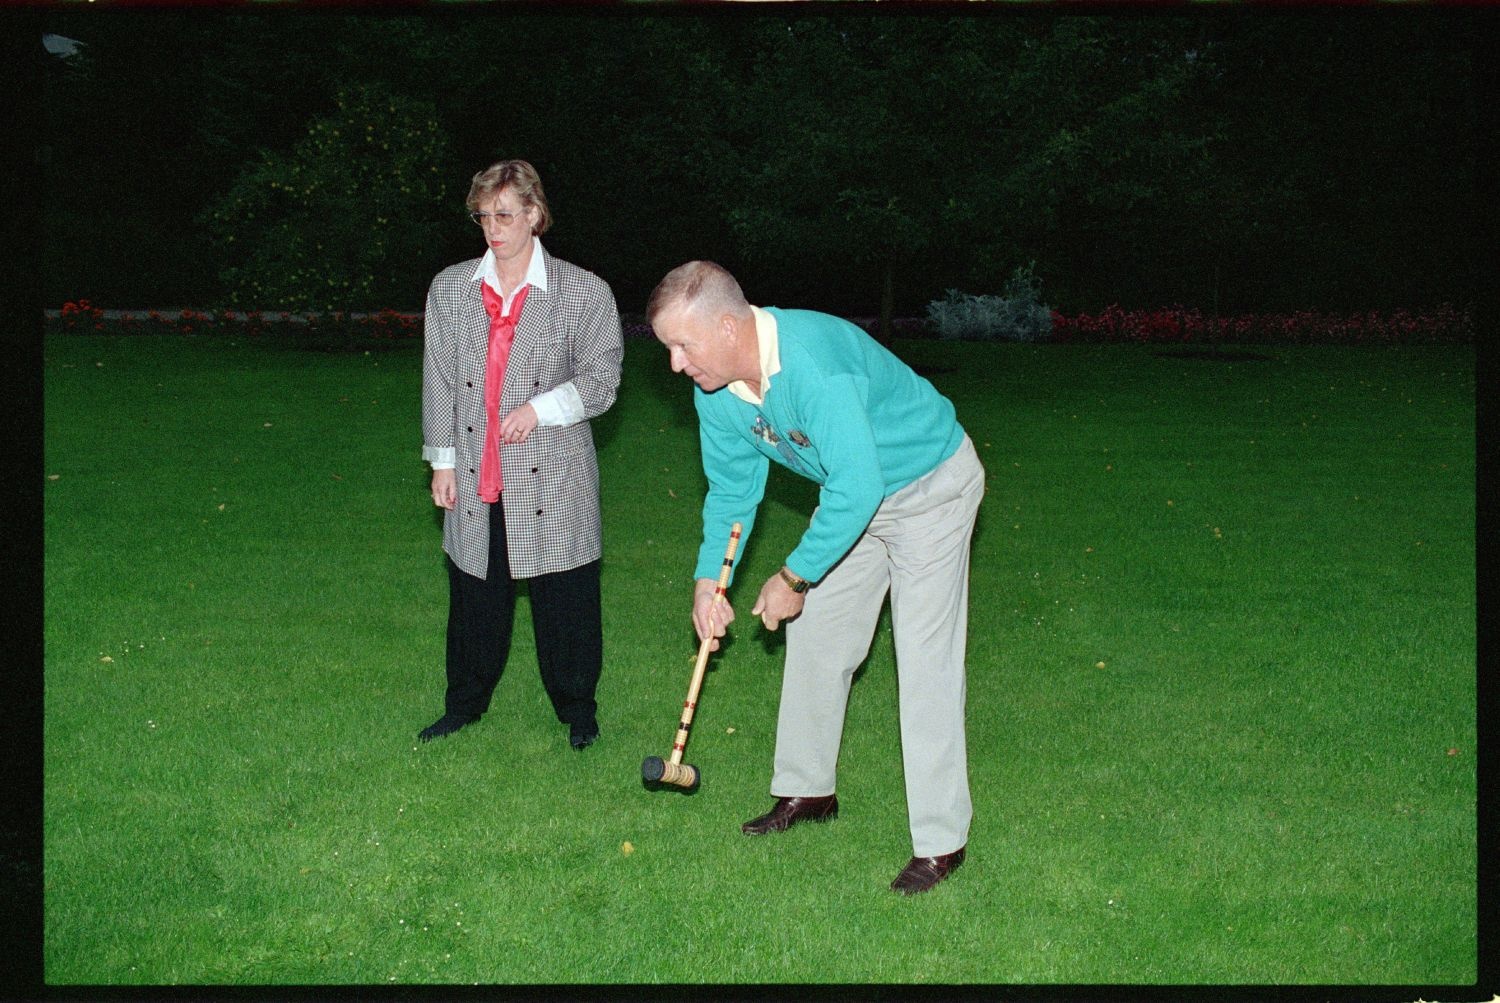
<point x="862" y="163"/>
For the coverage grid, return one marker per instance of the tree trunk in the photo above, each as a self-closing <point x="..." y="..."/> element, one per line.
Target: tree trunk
<point x="1216" y="285"/>
<point x="887" y="304"/>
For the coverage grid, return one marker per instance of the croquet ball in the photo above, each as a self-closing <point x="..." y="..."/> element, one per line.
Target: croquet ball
<point x="626" y="848"/>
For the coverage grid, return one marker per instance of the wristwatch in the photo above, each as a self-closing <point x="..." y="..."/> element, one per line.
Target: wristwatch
<point x="792" y="581"/>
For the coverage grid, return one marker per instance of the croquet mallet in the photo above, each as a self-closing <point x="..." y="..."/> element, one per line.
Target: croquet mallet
<point x="674" y="771"/>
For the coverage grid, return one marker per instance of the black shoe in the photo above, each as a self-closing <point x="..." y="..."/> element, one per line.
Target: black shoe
<point x="446" y="725"/>
<point x="789" y="811"/>
<point x="921" y="873"/>
<point x="582" y="737"/>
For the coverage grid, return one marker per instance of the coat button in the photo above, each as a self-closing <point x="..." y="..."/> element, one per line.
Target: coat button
<point x="471" y="470"/>
<point x="536" y="384"/>
<point x="538" y="511"/>
<point x="471" y="428"/>
<point x="468" y="383"/>
<point x="533" y="470"/>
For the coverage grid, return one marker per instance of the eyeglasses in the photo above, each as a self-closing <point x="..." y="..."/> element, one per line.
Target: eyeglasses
<point x="503" y="218"/>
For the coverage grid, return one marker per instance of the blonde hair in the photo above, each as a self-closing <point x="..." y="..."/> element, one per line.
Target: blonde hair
<point x="521" y="178"/>
<point x="698" y="285"/>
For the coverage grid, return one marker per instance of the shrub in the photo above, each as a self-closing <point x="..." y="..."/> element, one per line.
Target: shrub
<point x="334" y="223"/>
<point x="1017" y="314"/>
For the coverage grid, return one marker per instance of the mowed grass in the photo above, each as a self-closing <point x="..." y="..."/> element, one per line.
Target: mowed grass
<point x="1221" y="690"/>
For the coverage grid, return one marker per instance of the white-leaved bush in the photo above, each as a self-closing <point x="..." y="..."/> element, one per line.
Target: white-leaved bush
<point x="1016" y="314"/>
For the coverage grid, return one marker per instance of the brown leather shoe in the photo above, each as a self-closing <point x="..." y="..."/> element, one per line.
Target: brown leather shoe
<point x="921" y="873"/>
<point x="790" y="811"/>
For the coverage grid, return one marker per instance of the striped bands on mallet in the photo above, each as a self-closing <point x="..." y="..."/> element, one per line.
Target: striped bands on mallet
<point x="673" y="771"/>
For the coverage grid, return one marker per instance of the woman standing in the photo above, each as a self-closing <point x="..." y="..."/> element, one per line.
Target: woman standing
<point x="521" y="350"/>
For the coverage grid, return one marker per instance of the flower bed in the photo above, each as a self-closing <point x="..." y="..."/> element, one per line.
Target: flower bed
<point x="1181" y="325"/>
<point x="337" y="329"/>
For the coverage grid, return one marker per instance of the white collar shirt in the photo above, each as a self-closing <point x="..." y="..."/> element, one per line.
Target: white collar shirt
<point x="536" y="275"/>
<point x="768" y="344"/>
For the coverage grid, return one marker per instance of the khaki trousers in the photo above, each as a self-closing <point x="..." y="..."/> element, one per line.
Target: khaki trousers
<point x="917" y="548"/>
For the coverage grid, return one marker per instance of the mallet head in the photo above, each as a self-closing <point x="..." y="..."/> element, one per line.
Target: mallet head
<point x="655" y="770"/>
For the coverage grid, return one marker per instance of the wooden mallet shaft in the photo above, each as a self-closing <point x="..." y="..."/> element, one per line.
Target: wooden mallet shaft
<point x="673" y="770"/>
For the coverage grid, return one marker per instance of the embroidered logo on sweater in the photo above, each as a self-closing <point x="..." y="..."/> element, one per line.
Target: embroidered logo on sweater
<point x="762" y="430"/>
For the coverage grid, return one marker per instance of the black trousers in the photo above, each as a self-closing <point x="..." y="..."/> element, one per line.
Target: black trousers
<point x="565" y="614"/>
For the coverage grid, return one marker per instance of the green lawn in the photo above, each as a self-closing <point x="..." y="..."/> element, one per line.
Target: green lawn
<point x="1221" y="690"/>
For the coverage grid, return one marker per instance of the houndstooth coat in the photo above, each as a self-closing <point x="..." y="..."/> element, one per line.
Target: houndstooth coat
<point x="571" y="331"/>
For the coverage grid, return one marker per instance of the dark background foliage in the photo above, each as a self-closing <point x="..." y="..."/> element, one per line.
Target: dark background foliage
<point x="862" y="162"/>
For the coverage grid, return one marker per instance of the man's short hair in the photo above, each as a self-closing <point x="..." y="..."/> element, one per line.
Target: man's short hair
<point x="521" y="178"/>
<point x="698" y="285"/>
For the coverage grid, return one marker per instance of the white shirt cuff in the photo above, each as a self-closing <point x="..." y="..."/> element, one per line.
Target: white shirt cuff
<point x="441" y="457"/>
<point x="561" y="405"/>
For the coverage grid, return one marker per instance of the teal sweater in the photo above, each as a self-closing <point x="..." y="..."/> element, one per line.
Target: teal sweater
<point x="844" y="412"/>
